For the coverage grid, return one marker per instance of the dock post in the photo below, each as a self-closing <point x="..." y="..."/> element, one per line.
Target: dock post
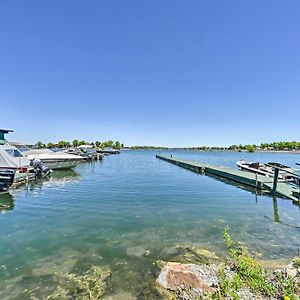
<point x="275" y="181"/>
<point x="256" y="180"/>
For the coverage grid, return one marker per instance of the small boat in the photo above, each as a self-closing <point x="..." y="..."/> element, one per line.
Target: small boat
<point x="255" y="167"/>
<point x="54" y="160"/>
<point x="87" y="153"/>
<point x="6" y="179"/>
<point x="15" y="168"/>
<point x="12" y="159"/>
<point x="108" y="151"/>
<point x="286" y="173"/>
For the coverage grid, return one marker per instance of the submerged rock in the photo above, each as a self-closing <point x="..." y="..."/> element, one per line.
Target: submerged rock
<point x="137" y="251"/>
<point x="121" y="295"/>
<point x="201" y="279"/>
<point x="191" y="254"/>
<point x="62" y="262"/>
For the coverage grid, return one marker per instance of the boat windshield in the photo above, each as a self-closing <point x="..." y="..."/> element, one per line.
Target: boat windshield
<point x="14" y="152"/>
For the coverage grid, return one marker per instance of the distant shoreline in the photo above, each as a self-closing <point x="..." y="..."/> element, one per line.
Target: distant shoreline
<point x="218" y="150"/>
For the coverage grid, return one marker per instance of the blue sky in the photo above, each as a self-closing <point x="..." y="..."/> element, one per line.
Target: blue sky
<point x="174" y="73"/>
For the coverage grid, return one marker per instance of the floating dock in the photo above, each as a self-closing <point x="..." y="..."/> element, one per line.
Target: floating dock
<point x="282" y="188"/>
<point x="23" y="178"/>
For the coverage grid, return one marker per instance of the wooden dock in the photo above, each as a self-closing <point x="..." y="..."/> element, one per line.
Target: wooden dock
<point x="23" y="178"/>
<point x="256" y="181"/>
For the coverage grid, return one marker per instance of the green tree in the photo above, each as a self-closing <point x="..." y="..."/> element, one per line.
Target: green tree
<point x="40" y="145"/>
<point x="75" y="143"/>
<point x="50" y="145"/>
<point x="117" y="145"/>
<point x="109" y="143"/>
<point x="250" y="148"/>
<point x="63" y="144"/>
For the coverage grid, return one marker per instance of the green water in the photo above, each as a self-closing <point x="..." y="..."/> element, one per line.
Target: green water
<point x="98" y="213"/>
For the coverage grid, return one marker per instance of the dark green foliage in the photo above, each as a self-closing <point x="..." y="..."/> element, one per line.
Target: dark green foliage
<point x="76" y="143"/>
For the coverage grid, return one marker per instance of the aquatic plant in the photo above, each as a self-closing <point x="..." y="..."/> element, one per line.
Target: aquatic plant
<point x="247" y="272"/>
<point x="90" y="285"/>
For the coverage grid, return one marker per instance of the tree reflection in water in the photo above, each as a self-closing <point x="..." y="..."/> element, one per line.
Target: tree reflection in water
<point x="6" y="202"/>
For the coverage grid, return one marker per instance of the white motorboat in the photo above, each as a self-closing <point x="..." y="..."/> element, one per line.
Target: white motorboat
<point x="12" y="159"/>
<point x="255" y="167"/>
<point x="14" y="166"/>
<point x="54" y="160"/>
<point x="286" y="173"/>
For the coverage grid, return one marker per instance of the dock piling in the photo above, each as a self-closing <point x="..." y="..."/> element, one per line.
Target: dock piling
<point x="275" y="181"/>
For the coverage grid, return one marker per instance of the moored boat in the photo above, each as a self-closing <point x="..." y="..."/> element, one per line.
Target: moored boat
<point x="285" y="173"/>
<point x="108" y="151"/>
<point x="255" y="167"/>
<point x="12" y="159"/>
<point x="54" y="160"/>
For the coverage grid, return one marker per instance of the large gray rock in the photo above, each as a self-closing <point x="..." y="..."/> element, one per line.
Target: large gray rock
<point x="176" y="276"/>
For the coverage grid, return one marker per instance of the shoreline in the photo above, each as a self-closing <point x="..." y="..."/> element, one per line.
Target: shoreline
<point x="217" y="150"/>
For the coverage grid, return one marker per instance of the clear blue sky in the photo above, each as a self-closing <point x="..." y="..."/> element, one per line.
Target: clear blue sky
<point x="159" y="72"/>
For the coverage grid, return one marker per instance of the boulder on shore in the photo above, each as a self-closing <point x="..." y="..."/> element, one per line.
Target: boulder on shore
<point x="201" y="279"/>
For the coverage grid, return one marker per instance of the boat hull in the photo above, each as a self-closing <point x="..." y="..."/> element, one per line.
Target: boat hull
<point x="61" y="164"/>
<point x="6" y="179"/>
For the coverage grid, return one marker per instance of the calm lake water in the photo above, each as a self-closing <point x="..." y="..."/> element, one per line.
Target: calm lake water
<point x="102" y="212"/>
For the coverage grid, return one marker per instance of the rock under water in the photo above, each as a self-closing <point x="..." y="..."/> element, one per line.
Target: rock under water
<point x="137" y="251"/>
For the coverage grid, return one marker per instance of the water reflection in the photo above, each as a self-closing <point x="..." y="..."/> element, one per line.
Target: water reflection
<point x="57" y="178"/>
<point x="256" y="192"/>
<point x="6" y="202"/>
<point x="241" y="186"/>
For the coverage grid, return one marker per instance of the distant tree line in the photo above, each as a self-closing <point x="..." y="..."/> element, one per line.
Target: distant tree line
<point x="240" y="147"/>
<point x="203" y="148"/>
<point x="76" y="143"/>
<point x="277" y="146"/>
<point x="147" y="147"/>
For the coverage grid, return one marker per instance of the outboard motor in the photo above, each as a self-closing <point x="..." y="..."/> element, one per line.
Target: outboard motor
<point x="6" y="179"/>
<point x="40" y="168"/>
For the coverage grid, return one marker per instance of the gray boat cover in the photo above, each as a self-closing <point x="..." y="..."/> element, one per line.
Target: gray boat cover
<point x="11" y="157"/>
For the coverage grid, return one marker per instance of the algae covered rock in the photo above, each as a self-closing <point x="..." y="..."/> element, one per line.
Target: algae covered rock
<point x="194" y="254"/>
<point x="90" y="285"/>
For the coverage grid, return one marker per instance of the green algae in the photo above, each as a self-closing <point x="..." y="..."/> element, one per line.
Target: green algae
<point x="90" y="285"/>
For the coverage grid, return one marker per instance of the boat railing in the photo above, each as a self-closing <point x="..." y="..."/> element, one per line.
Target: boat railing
<point x="285" y="170"/>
